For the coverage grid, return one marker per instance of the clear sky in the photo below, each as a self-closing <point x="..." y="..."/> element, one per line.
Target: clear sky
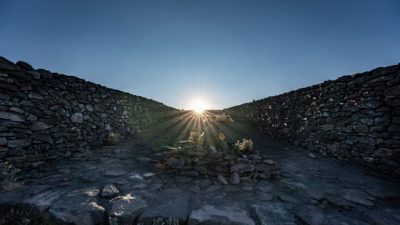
<point x="226" y="52"/>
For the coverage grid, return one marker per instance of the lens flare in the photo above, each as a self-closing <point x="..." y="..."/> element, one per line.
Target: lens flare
<point x="198" y="105"/>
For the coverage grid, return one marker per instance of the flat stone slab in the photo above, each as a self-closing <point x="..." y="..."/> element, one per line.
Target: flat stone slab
<point x="221" y="215"/>
<point x="311" y="215"/>
<point x="273" y="213"/>
<point x="79" y="207"/>
<point x="174" y="211"/>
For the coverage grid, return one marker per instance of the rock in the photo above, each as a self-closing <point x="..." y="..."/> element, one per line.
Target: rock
<point x="201" y="169"/>
<point x="287" y="198"/>
<point x="34" y="74"/>
<point x="17" y="110"/>
<point x="195" y="188"/>
<point x="189" y="173"/>
<point x="24" y="65"/>
<point x="79" y="207"/>
<point x="221" y="215"/>
<point x="264" y="196"/>
<point x="11" y="116"/>
<point x="311" y="215"/>
<point x="3" y="141"/>
<point x="222" y="179"/>
<point x="264" y="167"/>
<point x="142" y="159"/>
<point x="115" y="172"/>
<point x="160" y="166"/>
<point x="174" y="211"/>
<point x="109" y="191"/>
<point x="89" y="108"/>
<point x="44" y="200"/>
<point x="140" y="186"/>
<point x="176" y="163"/>
<point x="382" y="217"/>
<point x="311" y="155"/>
<point x="213" y="188"/>
<point x="123" y="210"/>
<point x="357" y="197"/>
<point x="107" y="127"/>
<point x="148" y="175"/>
<point x="77" y="117"/>
<point x="273" y="213"/>
<point x="35" y="95"/>
<point x="336" y="201"/>
<point x="361" y="128"/>
<point x="242" y="167"/>
<point x="37" y="126"/>
<point x="269" y="161"/>
<point x="234" y="178"/>
<point x="19" y="143"/>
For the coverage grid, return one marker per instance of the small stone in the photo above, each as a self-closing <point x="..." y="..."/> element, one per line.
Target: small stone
<point x="24" y="65"/>
<point x="3" y="141"/>
<point x="213" y="188"/>
<point x="148" y="175"/>
<point x="269" y="161"/>
<point x="160" y="166"/>
<point x="176" y="163"/>
<point x="311" y="155"/>
<point x="89" y="108"/>
<point x="115" y="172"/>
<point x="19" y="143"/>
<point x="11" y="116"/>
<point x="35" y="74"/>
<point x="189" y="173"/>
<point x="107" y="127"/>
<point x="17" y="110"/>
<point x="234" y="178"/>
<point x="109" y="191"/>
<point x="35" y="95"/>
<point x="77" y="117"/>
<point x="37" y="126"/>
<point x="143" y="159"/>
<point x="140" y="186"/>
<point x="32" y="118"/>
<point x="222" y="179"/>
<point x="361" y="128"/>
<point x="195" y="188"/>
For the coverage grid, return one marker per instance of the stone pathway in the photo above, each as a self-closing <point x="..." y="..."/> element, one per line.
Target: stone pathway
<point x="118" y="185"/>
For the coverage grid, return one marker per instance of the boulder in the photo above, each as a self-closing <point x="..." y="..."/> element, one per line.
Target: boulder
<point x="109" y="191"/>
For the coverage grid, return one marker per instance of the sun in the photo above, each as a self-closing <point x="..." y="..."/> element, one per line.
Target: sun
<point x="198" y="105"/>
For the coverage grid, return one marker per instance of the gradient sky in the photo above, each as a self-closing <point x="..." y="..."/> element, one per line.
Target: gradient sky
<point x="227" y="52"/>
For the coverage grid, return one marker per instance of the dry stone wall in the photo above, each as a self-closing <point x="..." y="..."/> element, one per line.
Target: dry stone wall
<point x="355" y="118"/>
<point x="47" y="116"/>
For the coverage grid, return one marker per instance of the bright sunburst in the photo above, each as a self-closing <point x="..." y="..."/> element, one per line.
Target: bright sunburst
<point x="198" y="105"/>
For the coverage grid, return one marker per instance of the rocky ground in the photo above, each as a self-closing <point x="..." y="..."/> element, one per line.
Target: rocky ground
<point x="119" y="185"/>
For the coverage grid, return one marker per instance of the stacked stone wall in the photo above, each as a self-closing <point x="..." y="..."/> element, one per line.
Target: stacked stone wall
<point x="355" y="118"/>
<point x="48" y="116"/>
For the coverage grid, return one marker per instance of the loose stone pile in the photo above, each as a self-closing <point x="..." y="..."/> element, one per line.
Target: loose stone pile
<point x="227" y="164"/>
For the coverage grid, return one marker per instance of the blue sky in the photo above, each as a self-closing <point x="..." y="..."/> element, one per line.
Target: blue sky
<point x="226" y="52"/>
